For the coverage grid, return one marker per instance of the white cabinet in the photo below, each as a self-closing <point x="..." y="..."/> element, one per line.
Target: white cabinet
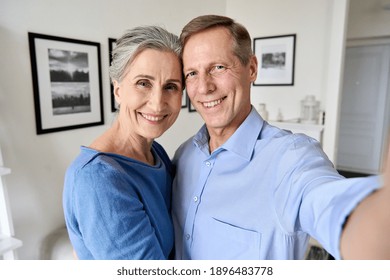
<point x="8" y="243"/>
<point x="313" y="130"/>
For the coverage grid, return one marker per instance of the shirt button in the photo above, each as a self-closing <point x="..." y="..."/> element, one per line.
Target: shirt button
<point x="187" y="236"/>
<point x="208" y="163"/>
<point x="195" y="198"/>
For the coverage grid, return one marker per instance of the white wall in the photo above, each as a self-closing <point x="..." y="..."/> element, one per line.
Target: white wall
<point x="38" y="162"/>
<point x="368" y="19"/>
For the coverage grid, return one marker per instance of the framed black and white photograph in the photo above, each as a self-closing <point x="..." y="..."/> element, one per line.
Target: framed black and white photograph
<point x="276" y="58"/>
<point x="111" y="46"/>
<point x="67" y="83"/>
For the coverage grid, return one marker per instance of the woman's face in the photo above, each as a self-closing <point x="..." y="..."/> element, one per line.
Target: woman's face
<point x="150" y="93"/>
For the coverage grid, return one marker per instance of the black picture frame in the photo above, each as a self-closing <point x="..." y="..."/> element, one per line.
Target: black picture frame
<point x="276" y="58"/>
<point x="67" y="84"/>
<point x="111" y="46"/>
<point x="184" y="99"/>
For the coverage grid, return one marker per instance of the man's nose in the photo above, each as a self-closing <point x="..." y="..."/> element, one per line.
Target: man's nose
<point x="206" y="84"/>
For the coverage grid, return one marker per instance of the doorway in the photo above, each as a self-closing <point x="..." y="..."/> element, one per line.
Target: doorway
<point x="365" y="109"/>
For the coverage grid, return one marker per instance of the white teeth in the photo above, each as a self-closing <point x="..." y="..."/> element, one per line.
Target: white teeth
<point x="152" y="118"/>
<point x="212" y="103"/>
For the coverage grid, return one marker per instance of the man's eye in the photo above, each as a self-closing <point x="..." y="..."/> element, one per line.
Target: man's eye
<point x="217" y="69"/>
<point x="190" y="74"/>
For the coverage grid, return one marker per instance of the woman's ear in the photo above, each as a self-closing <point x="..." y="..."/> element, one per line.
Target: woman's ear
<point x="117" y="93"/>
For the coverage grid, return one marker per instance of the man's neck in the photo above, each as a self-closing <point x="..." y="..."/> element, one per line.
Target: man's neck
<point x="219" y="136"/>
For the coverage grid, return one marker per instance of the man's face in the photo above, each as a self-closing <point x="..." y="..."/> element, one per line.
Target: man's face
<point x="216" y="81"/>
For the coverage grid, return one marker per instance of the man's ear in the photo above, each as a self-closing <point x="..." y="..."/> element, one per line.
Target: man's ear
<point x="253" y="68"/>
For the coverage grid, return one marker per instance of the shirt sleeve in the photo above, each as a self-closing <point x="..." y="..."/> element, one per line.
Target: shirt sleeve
<point x="111" y="216"/>
<point x="315" y="197"/>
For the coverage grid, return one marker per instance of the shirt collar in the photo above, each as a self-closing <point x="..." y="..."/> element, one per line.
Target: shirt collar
<point x="242" y="142"/>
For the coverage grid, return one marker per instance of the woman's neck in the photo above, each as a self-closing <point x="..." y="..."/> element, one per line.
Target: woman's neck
<point x="117" y="140"/>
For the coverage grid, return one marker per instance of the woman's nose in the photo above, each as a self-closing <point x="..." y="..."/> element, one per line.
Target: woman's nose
<point x="156" y="99"/>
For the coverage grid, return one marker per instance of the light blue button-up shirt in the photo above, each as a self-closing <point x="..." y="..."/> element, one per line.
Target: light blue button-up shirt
<point x="261" y="195"/>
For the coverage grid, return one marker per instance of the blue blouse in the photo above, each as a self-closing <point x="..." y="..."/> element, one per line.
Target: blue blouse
<point x="261" y="195"/>
<point x="119" y="208"/>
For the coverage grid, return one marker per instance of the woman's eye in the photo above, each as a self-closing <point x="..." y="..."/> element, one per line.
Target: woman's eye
<point x="171" y="87"/>
<point x="219" y="67"/>
<point x="143" y="83"/>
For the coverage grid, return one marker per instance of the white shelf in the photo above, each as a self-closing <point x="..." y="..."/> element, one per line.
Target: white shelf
<point x="313" y="130"/>
<point x="299" y="126"/>
<point x="9" y="244"/>
<point x="4" y="171"/>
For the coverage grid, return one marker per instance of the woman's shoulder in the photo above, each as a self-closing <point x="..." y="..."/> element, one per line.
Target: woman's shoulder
<point x="92" y="165"/>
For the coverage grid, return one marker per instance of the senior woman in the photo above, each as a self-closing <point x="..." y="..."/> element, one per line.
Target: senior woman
<point x="117" y="192"/>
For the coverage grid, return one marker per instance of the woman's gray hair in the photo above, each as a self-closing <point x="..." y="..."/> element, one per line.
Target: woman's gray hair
<point x="136" y="40"/>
